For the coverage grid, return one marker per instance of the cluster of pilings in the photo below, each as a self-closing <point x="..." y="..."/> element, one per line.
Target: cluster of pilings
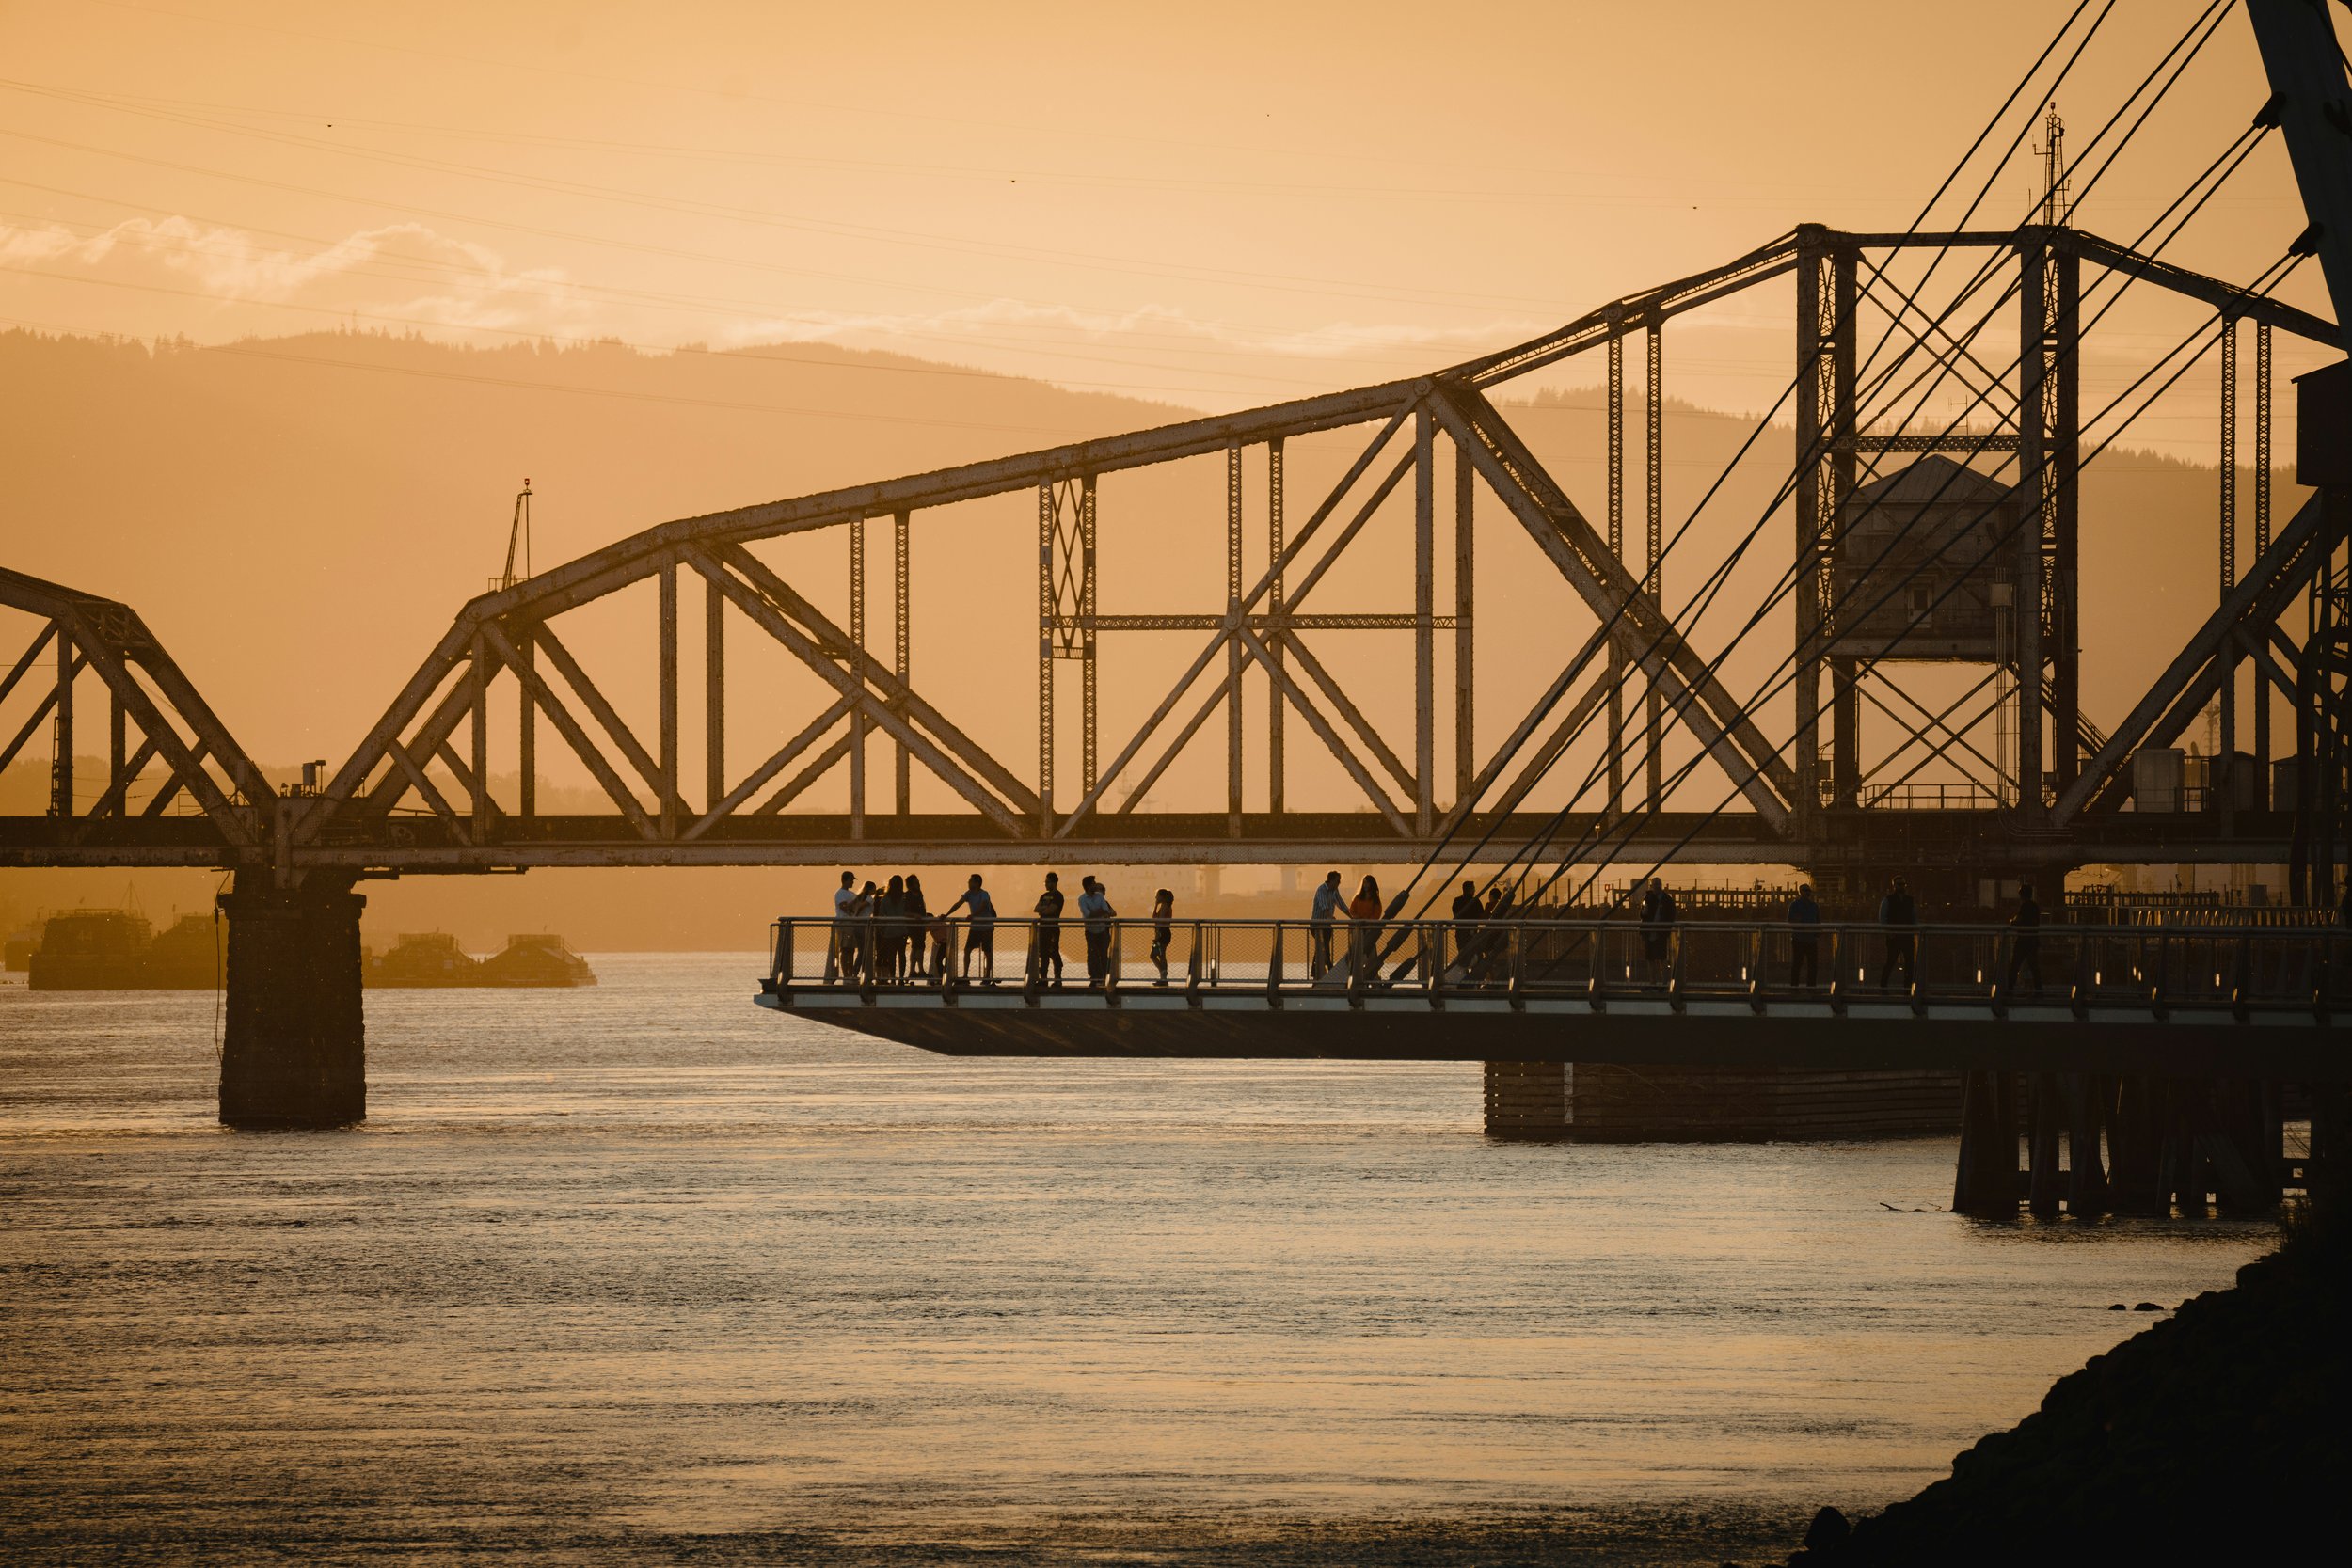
<point x="2090" y="1144"/>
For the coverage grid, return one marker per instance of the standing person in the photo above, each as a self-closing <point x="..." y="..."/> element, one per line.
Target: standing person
<point x="1320" y="920"/>
<point x="890" y="931"/>
<point x="844" y="941"/>
<point x="1045" y="945"/>
<point x="1899" y="914"/>
<point x="1494" y="947"/>
<point x="1162" y="931"/>
<point x="1658" y="931"/>
<point x="916" y="918"/>
<point x="2025" y="947"/>
<point x="1094" y="907"/>
<point x="1805" y="948"/>
<point x="981" y="937"/>
<point x="1363" y="913"/>
<point x="1466" y="913"/>
<point x="858" y="957"/>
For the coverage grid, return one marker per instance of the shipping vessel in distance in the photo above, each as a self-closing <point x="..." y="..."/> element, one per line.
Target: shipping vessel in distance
<point x="529" y="959"/>
<point x="121" y="950"/>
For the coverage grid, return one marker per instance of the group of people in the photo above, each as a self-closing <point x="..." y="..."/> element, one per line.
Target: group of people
<point x="1898" y="921"/>
<point x="909" y="943"/>
<point x="912" y="944"/>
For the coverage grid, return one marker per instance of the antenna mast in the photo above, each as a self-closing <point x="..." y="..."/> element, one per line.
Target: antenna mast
<point x="517" y="543"/>
<point x="2054" y="181"/>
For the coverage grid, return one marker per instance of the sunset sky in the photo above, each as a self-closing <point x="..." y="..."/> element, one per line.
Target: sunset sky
<point x="1236" y="207"/>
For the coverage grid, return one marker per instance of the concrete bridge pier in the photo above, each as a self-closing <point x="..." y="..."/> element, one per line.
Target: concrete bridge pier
<point x="294" y="1051"/>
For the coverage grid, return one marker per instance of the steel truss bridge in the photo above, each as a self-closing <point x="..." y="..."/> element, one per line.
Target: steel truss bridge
<point x="1872" y="560"/>
<point x="416" y="795"/>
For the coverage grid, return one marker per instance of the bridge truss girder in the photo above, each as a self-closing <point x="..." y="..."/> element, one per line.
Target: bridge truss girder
<point x="416" y="793"/>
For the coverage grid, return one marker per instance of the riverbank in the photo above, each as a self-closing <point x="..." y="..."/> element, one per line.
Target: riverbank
<point x="2222" y="1429"/>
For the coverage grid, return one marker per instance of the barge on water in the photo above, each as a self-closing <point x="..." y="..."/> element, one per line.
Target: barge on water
<point x="529" y="961"/>
<point x="119" y="950"/>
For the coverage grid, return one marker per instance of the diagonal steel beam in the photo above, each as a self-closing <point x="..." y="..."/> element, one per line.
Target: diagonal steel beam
<point x="16" y="672"/>
<point x="41" y="711"/>
<point x="885" y="715"/>
<point x="110" y="803"/>
<point x="1647" y="635"/>
<point x="759" y="777"/>
<point x="1561" y="736"/>
<point x="188" y="766"/>
<point x="2287" y="565"/>
<point x="425" y="790"/>
<point x="606" y="715"/>
<point x="815" y="769"/>
<point x="536" y="689"/>
<point x="1249" y="601"/>
<point x="872" y="673"/>
<point x="1288" y="689"/>
<point x="1348" y="710"/>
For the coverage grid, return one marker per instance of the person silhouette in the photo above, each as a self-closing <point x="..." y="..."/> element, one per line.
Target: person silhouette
<point x="1045" y="945"/>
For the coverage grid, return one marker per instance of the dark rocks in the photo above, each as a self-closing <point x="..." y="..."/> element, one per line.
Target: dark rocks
<point x="2220" y="1430"/>
<point x="2147" y="1307"/>
<point x="1828" y="1529"/>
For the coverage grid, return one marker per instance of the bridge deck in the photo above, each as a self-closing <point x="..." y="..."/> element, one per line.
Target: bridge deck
<point x="2198" y="1001"/>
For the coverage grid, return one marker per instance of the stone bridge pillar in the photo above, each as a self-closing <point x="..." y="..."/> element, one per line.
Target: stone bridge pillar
<point x="294" y="1052"/>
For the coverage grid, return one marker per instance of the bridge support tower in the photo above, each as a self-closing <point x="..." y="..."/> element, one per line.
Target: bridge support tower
<point x="293" y="1054"/>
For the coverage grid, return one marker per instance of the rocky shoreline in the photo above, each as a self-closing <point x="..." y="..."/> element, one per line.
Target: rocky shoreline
<point x="2222" y="1428"/>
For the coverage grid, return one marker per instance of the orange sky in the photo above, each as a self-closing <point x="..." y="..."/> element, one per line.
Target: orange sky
<point x="1244" y="205"/>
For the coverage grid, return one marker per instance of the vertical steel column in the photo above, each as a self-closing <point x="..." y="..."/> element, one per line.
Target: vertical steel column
<point x="527" y="729"/>
<point x="901" y="663"/>
<point x="1826" y="296"/>
<point x="714" y="696"/>
<point x="1809" y="597"/>
<point x="1046" y="658"/>
<point x="1616" y="401"/>
<point x="669" y="699"/>
<point x="478" y="671"/>
<point x="117" y="750"/>
<point x="1232" y="647"/>
<point x="2227" y="539"/>
<point x="857" y="644"/>
<point x="2062" y="624"/>
<point x="1841" y="434"/>
<point x="61" y="760"/>
<point x="1276" y="706"/>
<point x="1086" y="638"/>
<point x="1464" y="648"/>
<point x="1424" y="618"/>
<point x="1654" y="498"/>
<point x="2261" y="541"/>
<point x="2033" y="484"/>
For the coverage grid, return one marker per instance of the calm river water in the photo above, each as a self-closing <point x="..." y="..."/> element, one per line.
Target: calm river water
<point x="643" y="1274"/>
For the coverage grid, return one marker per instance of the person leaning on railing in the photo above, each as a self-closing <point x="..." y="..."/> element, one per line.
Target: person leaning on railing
<point x="980" y="937"/>
<point x="1466" y="913"/>
<point x="2025" y="951"/>
<point x="1363" y="913"/>
<point x="1804" y="947"/>
<point x="1899" y="914"/>
<point x="1320" y="920"/>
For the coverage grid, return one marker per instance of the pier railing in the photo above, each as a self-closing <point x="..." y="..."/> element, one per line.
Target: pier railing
<point x="2270" y="968"/>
